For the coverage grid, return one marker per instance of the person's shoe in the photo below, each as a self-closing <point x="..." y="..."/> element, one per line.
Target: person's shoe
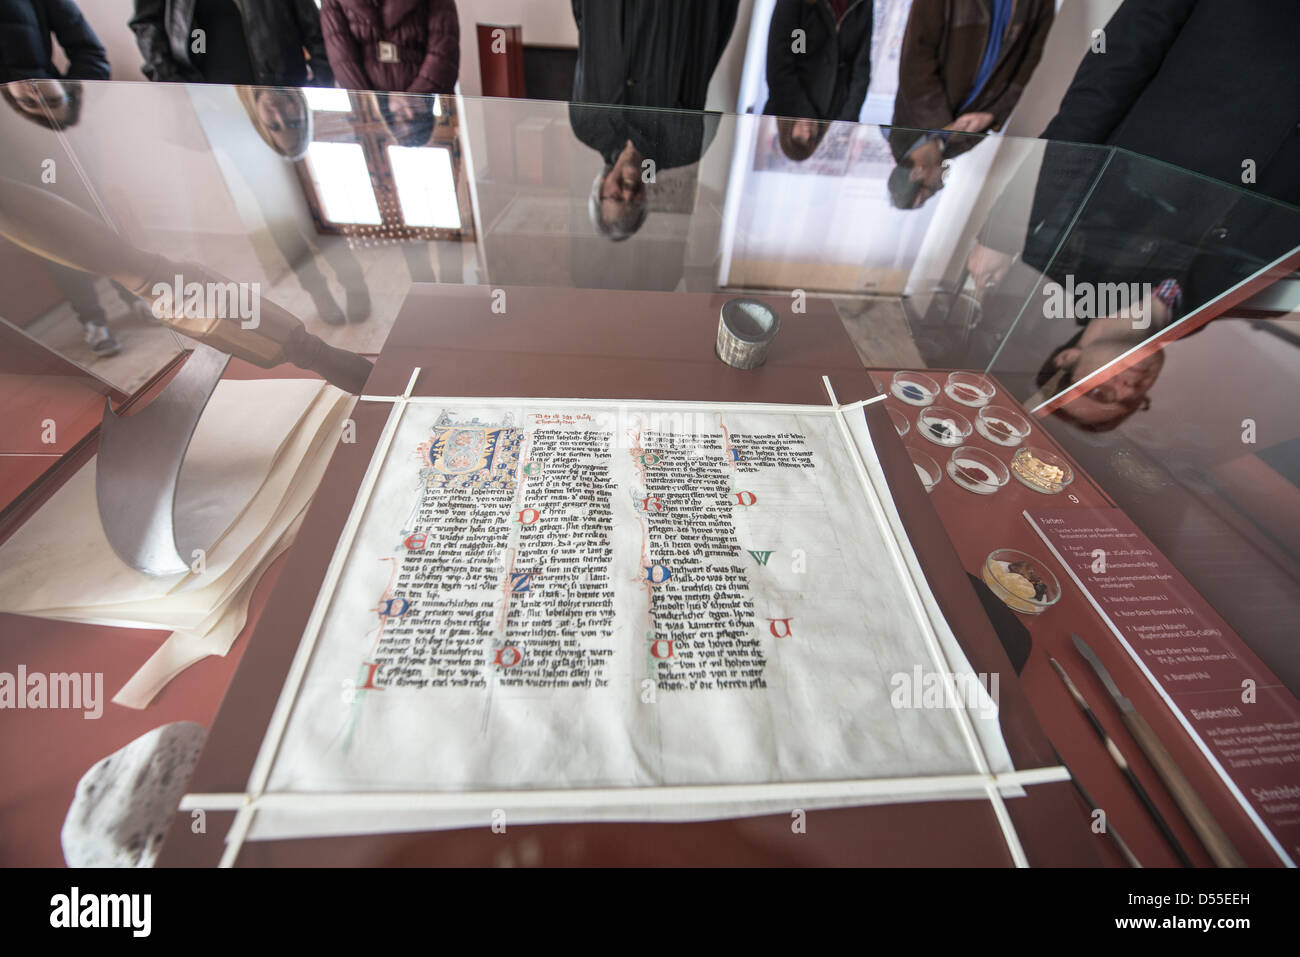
<point x="358" y="304"/>
<point x="329" y="310"/>
<point x="100" y="340"/>
<point x="143" y="311"/>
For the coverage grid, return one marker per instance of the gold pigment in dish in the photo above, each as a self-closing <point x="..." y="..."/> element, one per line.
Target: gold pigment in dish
<point x="1034" y="472"/>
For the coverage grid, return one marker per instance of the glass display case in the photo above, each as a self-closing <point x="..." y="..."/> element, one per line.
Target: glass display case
<point x="1058" y="383"/>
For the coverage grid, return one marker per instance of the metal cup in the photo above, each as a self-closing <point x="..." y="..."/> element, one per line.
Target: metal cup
<point x="746" y="327"/>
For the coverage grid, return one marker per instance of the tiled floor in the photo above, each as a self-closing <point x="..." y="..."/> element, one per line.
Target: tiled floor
<point x="879" y="332"/>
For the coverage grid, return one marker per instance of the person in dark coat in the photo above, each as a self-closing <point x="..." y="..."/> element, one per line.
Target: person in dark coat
<point x="257" y="42"/>
<point x="1202" y="84"/>
<point x="1205" y="85"/>
<point x="818" y="68"/>
<point x="643" y="53"/>
<point x="961" y="69"/>
<point x="1212" y="86"/>
<point x="27" y="31"/>
<point x="393" y="46"/>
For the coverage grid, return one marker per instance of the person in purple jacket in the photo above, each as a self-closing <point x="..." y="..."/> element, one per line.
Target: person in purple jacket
<point x="393" y="46"/>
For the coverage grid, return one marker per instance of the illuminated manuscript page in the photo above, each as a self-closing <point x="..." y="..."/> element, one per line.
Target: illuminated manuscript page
<point x="609" y="596"/>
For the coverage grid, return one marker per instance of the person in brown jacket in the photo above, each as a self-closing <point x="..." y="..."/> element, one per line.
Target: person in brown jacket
<point x="393" y="46"/>
<point x="962" y="68"/>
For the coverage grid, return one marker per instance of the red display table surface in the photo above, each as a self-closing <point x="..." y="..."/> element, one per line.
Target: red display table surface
<point x="645" y="346"/>
<point x="978" y="524"/>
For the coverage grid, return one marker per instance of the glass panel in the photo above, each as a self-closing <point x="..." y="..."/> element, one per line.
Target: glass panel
<point x="1102" y="291"/>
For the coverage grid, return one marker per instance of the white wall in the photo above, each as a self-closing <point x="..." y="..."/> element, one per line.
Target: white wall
<point x="1065" y="48"/>
<point x="724" y="88"/>
<point x="544" y="22"/>
<point x="108" y="18"/>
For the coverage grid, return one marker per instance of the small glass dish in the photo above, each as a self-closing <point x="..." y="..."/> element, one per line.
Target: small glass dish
<point x="1041" y="470"/>
<point x="926" y="467"/>
<point x="1002" y="426"/>
<point x="976" y="470"/>
<point x="914" y="388"/>
<point x="1021" y="582"/>
<point x="969" y="388"/>
<point x="943" y="426"/>
<point x="901" y="425"/>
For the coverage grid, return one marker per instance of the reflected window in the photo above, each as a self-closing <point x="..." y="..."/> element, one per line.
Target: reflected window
<point x="426" y="188"/>
<point x="342" y="181"/>
<point x="327" y="99"/>
<point x="376" y="169"/>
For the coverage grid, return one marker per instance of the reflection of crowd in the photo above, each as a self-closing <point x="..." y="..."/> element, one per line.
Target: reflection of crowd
<point x="962" y="67"/>
<point x="1180" y="82"/>
<point x="1207" y="85"/>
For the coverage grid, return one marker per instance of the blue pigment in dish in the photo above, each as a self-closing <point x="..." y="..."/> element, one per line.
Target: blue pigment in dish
<point x="912" y="392"/>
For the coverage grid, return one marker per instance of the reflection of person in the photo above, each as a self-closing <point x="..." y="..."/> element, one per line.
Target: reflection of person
<point x="27" y="53"/>
<point x="818" y="62"/>
<point x="799" y="139"/>
<point x="962" y="68"/>
<point x="1109" y="402"/>
<point x="918" y="176"/>
<point x="1102" y="232"/>
<point x="643" y="53"/>
<point x="1171" y="72"/>
<point x="394" y="46"/>
<point x="409" y="119"/>
<point x="232" y="41"/>
<point x="51" y="227"/>
<point x="54" y="104"/>
<point x="53" y="100"/>
<point x="1174" y="84"/>
<point x="283" y="119"/>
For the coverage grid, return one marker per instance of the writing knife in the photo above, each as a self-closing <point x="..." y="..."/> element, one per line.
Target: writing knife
<point x="1092" y="805"/>
<point x="1189" y="802"/>
<point x="1117" y="756"/>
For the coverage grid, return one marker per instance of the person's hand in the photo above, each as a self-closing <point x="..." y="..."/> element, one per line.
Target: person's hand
<point x="971" y="123"/>
<point x="987" y="266"/>
<point x="926" y="156"/>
